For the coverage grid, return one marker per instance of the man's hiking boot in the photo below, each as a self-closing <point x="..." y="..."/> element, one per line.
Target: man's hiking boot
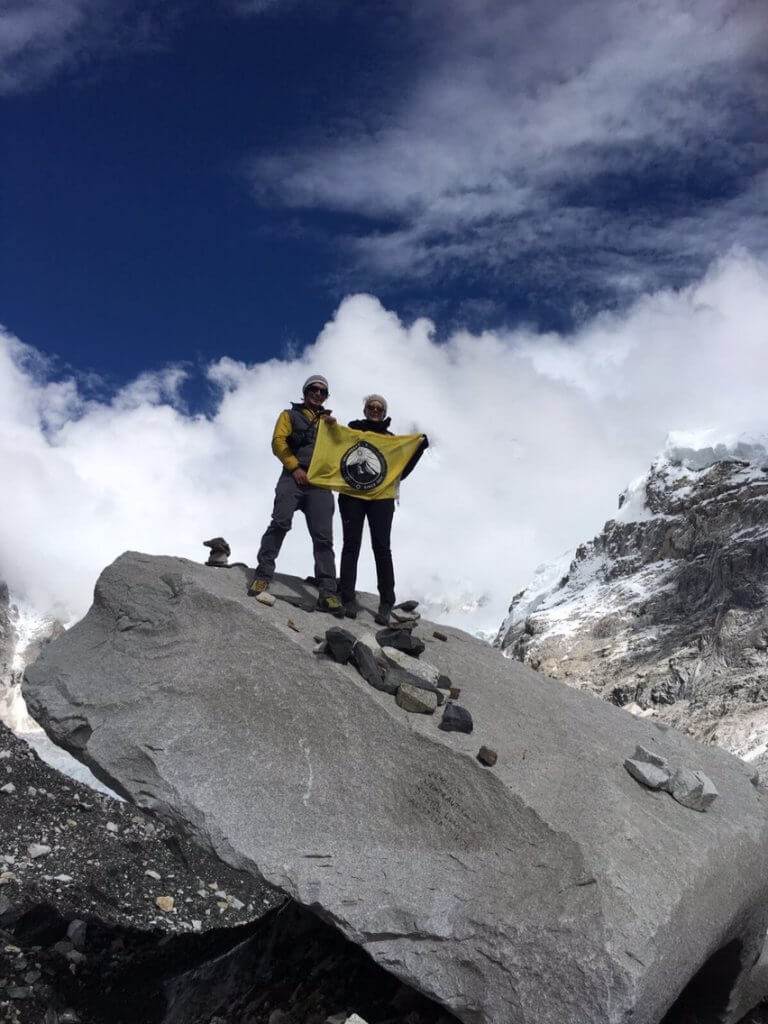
<point x="257" y="587"/>
<point x="381" y="617"/>
<point x="331" y="603"/>
<point x="350" y="609"/>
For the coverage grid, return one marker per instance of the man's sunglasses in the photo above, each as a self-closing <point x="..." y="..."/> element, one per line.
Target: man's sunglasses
<point x="318" y="391"/>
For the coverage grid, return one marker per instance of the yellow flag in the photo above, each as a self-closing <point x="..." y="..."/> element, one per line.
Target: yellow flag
<point x="361" y="463"/>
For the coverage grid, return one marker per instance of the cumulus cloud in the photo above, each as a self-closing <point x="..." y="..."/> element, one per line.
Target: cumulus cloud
<point x="532" y="437"/>
<point x="572" y="147"/>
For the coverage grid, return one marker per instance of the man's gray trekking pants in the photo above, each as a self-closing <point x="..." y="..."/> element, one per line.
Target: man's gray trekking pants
<point x="317" y="506"/>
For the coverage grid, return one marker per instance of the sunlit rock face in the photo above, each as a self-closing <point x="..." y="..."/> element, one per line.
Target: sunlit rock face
<point x="665" y="612"/>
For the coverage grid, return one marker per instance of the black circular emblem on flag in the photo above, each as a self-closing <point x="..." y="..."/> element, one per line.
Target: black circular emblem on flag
<point x="363" y="466"/>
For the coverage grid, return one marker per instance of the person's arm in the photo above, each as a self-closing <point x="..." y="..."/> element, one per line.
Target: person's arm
<point x="280" y="448"/>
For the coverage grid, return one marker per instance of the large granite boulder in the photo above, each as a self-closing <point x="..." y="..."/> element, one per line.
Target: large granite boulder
<point x="552" y="887"/>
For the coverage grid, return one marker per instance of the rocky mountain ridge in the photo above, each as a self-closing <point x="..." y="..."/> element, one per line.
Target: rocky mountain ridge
<point x="666" y="610"/>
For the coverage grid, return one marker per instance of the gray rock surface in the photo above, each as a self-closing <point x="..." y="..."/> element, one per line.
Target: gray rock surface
<point x="666" y="610"/>
<point x="528" y="893"/>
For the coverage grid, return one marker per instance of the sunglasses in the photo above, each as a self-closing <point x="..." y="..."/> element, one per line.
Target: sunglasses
<point x="375" y="408"/>
<point x="317" y="391"/>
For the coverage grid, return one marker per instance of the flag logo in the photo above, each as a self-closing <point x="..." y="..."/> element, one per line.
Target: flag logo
<point x="361" y="463"/>
<point x="363" y="467"/>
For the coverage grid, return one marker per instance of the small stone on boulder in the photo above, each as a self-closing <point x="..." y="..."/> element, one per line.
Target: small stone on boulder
<point x="692" y="789"/>
<point x="365" y="663"/>
<point x="456" y="719"/>
<point x="401" y="640"/>
<point x="439" y="636"/>
<point x="649" y="756"/>
<point x="405" y="617"/>
<point x="407" y="606"/>
<point x="414" y="699"/>
<point x="266" y="598"/>
<point x="487" y="756"/>
<point x="340" y="643"/>
<point x="419" y="669"/>
<point x="650" y="775"/>
<point x="220" y="552"/>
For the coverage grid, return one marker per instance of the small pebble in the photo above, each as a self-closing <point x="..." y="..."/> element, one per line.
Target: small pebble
<point x="36" y="850"/>
<point x="8" y="788"/>
<point x="439" y="636"/>
<point x="153" y="874"/>
<point x="165" y="903"/>
<point x="487" y="756"/>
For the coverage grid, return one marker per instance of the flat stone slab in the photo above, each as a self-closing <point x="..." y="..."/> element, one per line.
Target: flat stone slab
<point x="413" y="666"/>
<point x="416" y="700"/>
<point x="548" y="889"/>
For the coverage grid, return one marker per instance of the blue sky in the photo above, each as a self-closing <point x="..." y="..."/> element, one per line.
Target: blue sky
<point x="182" y="181"/>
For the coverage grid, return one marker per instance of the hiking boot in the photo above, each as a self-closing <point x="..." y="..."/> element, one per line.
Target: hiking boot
<point x="381" y="617"/>
<point x="331" y="603"/>
<point x="257" y="587"/>
<point x="350" y="609"/>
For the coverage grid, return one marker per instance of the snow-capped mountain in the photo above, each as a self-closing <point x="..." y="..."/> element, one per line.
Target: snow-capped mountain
<point x="666" y="611"/>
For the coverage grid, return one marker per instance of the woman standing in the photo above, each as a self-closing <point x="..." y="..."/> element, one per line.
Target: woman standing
<point x="379" y="513"/>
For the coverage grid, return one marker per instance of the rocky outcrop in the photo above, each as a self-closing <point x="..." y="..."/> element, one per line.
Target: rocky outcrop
<point x="666" y="611"/>
<point x="7" y="635"/>
<point x="549" y="887"/>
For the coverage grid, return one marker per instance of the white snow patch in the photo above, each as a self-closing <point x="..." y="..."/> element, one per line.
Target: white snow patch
<point x="634" y="508"/>
<point x="697" y="450"/>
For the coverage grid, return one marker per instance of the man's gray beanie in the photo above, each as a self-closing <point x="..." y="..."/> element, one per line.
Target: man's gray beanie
<point x="316" y="378"/>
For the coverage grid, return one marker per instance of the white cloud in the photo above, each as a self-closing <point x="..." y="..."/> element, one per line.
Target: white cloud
<point x="505" y="140"/>
<point x="532" y="439"/>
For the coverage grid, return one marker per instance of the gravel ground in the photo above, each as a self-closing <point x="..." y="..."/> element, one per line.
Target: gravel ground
<point x="69" y="854"/>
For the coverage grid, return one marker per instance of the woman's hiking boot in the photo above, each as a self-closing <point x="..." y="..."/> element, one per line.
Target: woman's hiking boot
<point x="382" y="615"/>
<point x="351" y="609"/>
<point x="257" y="587"/>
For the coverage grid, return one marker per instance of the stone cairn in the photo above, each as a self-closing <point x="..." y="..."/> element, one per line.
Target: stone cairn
<point x="220" y="552"/>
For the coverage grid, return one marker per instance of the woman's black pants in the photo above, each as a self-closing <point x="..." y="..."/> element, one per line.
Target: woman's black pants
<point x="354" y="512"/>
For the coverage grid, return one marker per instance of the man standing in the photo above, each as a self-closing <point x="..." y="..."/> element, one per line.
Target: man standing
<point x="293" y="442"/>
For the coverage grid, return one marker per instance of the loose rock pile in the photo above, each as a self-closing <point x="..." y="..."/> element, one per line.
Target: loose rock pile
<point x="390" y="662"/>
<point x="690" y="787"/>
